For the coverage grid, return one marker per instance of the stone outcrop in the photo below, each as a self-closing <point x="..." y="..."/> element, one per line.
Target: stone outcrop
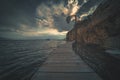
<point x="100" y="27"/>
<point x="94" y="35"/>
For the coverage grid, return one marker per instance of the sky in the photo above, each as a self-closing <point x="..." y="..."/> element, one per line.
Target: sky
<point x="41" y="19"/>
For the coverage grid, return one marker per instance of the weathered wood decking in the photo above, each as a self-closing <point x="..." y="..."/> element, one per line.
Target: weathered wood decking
<point x="64" y="64"/>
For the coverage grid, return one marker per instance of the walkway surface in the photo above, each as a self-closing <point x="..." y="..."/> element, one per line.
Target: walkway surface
<point x="64" y="64"/>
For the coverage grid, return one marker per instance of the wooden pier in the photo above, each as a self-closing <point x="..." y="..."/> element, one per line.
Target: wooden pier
<point x="64" y="64"/>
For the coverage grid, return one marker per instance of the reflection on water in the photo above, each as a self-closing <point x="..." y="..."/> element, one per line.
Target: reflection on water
<point x="20" y="59"/>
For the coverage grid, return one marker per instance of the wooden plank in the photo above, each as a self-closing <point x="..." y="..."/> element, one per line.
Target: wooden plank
<point x="64" y="64"/>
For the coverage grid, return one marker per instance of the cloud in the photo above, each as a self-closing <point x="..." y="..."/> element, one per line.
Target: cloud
<point x="84" y="15"/>
<point x="37" y="32"/>
<point x="81" y="10"/>
<point x="41" y="18"/>
<point x="44" y="32"/>
<point x="74" y="7"/>
<point x="52" y="17"/>
<point x="49" y="21"/>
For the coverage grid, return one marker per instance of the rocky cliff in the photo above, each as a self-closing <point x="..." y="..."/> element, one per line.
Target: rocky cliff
<point x="94" y="35"/>
<point x="99" y="28"/>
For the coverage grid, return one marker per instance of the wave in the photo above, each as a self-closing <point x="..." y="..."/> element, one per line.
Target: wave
<point x="20" y="59"/>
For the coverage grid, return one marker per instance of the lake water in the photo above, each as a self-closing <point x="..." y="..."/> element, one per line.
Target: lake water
<point x="19" y="59"/>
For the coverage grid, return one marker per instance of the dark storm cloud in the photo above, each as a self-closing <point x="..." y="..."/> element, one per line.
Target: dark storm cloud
<point x="86" y="7"/>
<point x="60" y="23"/>
<point x="17" y="17"/>
<point x="15" y="12"/>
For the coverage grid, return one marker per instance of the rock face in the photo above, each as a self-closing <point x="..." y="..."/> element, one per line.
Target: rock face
<point x="98" y="32"/>
<point x="105" y="65"/>
<point x="102" y="26"/>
